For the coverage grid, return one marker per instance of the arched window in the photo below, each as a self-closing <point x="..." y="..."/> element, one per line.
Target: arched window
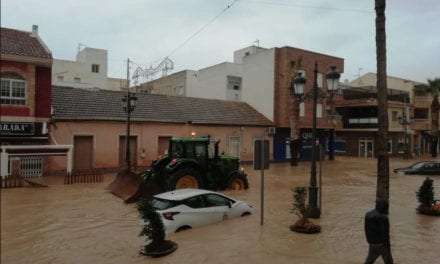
<point x="13" y="89"/>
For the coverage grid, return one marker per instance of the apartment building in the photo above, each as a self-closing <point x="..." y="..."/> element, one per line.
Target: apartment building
<point x="415" y="108"/>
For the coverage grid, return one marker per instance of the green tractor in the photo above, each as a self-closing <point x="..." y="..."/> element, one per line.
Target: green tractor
<point x="191" y="163"/>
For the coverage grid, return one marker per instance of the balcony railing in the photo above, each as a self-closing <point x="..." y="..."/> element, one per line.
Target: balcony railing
<point x="421" y="124"/>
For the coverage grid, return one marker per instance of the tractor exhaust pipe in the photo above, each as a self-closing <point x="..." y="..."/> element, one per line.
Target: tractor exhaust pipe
<point x="216" y="156"/>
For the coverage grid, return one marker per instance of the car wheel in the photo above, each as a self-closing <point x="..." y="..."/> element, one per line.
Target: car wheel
<point x="237" y="182"/>
<point x="184" y="178"/>
<point x="183" y="228"/>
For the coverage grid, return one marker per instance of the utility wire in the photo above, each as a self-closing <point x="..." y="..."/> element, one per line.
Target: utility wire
<point x="259" y="2"/>
<point x="201" y="29"/>
<point x="309" y="6"/>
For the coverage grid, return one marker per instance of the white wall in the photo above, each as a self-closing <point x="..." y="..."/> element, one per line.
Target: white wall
<point x="211" y="82"/>
<point x="244" y="52"/>
<point x="79" y="73"/>
<point x="258" y="81"/>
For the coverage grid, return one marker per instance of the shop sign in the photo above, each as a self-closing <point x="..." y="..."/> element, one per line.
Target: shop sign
<point x="17" y="129"/>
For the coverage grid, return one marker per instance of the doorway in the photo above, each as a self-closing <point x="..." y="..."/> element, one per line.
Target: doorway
<point x="366" y="147"/>
<point x="83" y="152"/>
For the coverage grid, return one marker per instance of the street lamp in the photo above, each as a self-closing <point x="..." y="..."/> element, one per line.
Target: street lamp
<point x="298" y="84"/>
<point x="128" y="104"/>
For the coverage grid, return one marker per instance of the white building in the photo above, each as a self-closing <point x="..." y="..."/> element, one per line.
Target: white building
<point x="253" y="68"/>
<point x="89" y="71"/>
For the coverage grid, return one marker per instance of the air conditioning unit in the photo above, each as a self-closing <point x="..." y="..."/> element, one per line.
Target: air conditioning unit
<point x="271" y="130"/>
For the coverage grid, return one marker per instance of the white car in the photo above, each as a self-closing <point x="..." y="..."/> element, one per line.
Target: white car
<point x="187" y="208"/>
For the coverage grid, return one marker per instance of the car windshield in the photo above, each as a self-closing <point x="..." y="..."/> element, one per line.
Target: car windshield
<point x="161" y="204"/>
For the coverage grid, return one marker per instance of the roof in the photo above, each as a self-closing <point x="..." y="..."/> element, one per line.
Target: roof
<point x="22" y="43"/>
<point x="181" y="194"/>
<point x="80" y="104"/>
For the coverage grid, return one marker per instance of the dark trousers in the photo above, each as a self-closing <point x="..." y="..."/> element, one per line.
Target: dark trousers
<point x="376" y="250"/>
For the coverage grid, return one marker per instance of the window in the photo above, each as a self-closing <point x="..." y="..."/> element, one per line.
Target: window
<point x="319" y="80"/>
<point x="234" y="83"/>
<point x="390" y="146"/>
<point x="95" y="68"/>
<point x="212" y="200"/>
<point x="13" y="91"/>
<point x="234" y="146"/>
<point x="195" y="202"/>
<point x="394" y="116"/>
<point x="302" y="110"/>
<point x="318" y="110"/>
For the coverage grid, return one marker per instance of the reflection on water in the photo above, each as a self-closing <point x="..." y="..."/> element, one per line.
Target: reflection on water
<point x="83" y="223"/>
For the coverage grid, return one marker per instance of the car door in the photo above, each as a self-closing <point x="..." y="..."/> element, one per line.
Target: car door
<point x="430" y="169"/>
<point x="197" y="213"/>
<point x="218" y="207"/>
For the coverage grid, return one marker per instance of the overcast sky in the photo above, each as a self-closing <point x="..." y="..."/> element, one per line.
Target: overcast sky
<point x="200" y="33"/>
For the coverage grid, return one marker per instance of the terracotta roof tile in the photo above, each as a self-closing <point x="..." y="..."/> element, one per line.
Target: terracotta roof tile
<point x="80" y="104"/>
<point x="17" y="42"/>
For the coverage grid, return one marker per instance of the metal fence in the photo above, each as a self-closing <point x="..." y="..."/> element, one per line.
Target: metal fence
<point x="31" y="167"/>
<point x="84" y="176"/>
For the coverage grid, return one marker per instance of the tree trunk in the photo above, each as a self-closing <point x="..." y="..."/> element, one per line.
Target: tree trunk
<point x="295" y="141"/>
<point x="434" y="125"/>
<point x="383" y="184"/>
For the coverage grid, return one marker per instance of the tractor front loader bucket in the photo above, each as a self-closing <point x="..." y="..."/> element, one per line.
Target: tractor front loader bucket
<point x="130" y="187"/>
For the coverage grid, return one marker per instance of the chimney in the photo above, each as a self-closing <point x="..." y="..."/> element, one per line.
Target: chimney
<point x="34" y="30"/>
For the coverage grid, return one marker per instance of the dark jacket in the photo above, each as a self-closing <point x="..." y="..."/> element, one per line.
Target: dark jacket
<point x="377" y="225"/>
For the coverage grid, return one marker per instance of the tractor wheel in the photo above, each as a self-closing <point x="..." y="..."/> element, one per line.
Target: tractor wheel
<point x="237" y="182"/>
<point x="184" y="178"/>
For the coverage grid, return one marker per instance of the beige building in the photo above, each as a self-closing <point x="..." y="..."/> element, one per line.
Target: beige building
<point x="94" y="122"/>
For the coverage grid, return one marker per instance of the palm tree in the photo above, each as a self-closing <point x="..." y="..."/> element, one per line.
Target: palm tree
<point x="432" y="88"/>
<point x="383" y="179"/>
<point x="295" y="140"/>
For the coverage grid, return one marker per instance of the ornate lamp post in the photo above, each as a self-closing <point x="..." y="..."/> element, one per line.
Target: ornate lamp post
<point x="298" y="84"/>
<point x="128" y="104"/>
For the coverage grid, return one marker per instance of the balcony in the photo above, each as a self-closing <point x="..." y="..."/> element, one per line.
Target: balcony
<point x="421" y="124"/>
<point x="363" y="122"/>
<point x="422" y="101"/>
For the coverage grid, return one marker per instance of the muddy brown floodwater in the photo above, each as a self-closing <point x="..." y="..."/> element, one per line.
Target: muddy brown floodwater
<point x="83" y="223"/>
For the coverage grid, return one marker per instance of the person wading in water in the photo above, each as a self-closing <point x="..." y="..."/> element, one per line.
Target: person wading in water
<point x="377" y="232"/>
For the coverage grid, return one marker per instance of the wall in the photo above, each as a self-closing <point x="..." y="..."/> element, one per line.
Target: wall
<point x="370" y="79"/>
<point x="82" y="68"/>
<point x="43" y="92"/>
<point x="285" y="57"/>
<point x="258" y="81"/>
<point x="106" y="139"/>
<point x="26" y="112"/>
<point x="212" y="82"/>
<point x="116" y="84"/>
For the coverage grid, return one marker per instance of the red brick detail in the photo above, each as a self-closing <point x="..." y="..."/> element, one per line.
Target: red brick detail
<point x="43" y="92"/>
<point x="11" y="110"/>
<point x="283" y="74"/>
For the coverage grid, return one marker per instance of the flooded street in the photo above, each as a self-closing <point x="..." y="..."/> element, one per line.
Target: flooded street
<point x="83" y="223"/>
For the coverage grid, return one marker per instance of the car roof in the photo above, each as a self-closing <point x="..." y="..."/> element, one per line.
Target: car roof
<point x="182" y="194"/>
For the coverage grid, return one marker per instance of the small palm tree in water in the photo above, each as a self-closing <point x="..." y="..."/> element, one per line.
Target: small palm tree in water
<point x="154" y="231"/>
<point x="425" y="196"/>
<point x="303" y="224"/>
